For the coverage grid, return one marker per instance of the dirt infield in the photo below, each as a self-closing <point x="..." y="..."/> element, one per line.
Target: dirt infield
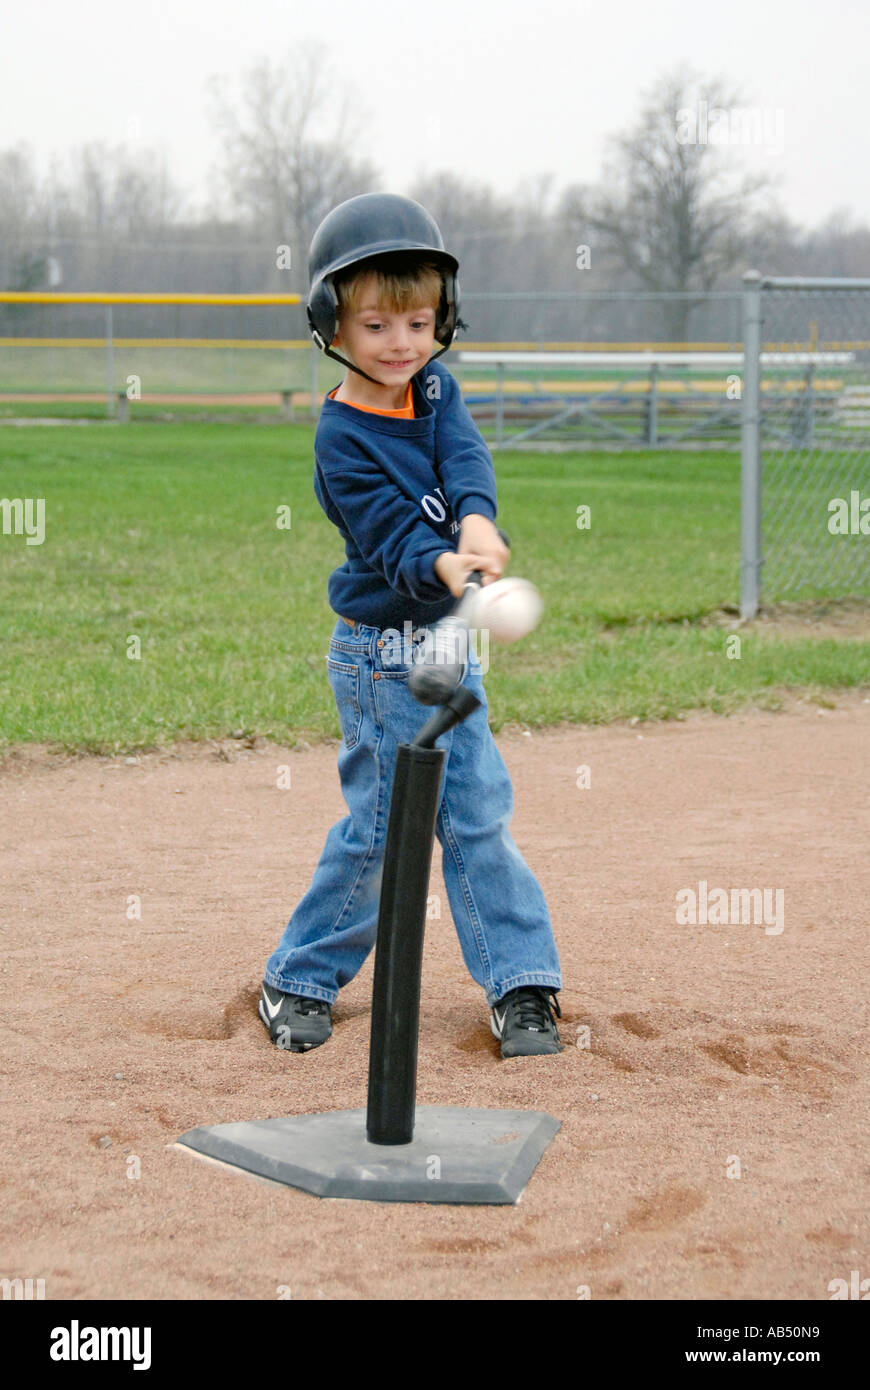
<point x="713" y="1140"/>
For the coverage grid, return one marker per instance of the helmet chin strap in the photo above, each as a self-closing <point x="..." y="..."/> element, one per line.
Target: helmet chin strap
<point x="359" y="371"/>
<point x="344" y="362"/>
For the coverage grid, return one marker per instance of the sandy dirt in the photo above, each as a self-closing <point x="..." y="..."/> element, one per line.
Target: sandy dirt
<point x="714" y="1130"/>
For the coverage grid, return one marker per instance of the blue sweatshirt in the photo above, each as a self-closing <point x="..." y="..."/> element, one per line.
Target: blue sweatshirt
<point x="397" y="490"/>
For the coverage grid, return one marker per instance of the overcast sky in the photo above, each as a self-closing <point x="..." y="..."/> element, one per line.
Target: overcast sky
<point x="496" y="90"/>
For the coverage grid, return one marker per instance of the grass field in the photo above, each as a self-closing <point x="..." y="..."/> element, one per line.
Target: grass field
<point x="169" y="534"/>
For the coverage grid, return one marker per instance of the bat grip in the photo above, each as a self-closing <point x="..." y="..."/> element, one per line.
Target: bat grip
<point x="476" y="576"/>
<point x="439" y="659"/>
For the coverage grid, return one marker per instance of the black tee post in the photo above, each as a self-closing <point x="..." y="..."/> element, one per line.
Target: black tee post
<point x="416" y="794"/>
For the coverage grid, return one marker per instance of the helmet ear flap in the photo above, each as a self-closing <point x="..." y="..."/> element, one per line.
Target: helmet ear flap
<point x="448" y="310"/>
<point x="322" y="313"/>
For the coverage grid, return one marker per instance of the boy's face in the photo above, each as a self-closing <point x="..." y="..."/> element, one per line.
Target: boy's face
<point x="390" y="347"/>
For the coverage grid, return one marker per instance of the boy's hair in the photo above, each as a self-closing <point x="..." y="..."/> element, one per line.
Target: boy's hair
<point x="400" y="285"/>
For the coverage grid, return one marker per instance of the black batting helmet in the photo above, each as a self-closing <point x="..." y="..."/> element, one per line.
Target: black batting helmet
<point x="363" y="229"/>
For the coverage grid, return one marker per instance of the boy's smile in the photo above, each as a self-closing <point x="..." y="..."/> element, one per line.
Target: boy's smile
<point x="389" y="346"/>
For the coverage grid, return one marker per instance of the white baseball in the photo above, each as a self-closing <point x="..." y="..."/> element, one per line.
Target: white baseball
<point x="510" y="608"/>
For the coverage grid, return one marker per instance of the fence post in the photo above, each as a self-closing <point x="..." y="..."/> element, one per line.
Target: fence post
<point x="652" y="407"/>
<point x="809" y="414"/>
<point x="110" y="363"/>
<point x="750" y="464"/>
<point x="499" y="403"/>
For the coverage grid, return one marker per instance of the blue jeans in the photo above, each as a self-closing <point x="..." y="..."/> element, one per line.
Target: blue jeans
<point x="497" y="904"/>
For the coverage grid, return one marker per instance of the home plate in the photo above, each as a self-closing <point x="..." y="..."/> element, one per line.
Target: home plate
<point x="456" y="1155"/>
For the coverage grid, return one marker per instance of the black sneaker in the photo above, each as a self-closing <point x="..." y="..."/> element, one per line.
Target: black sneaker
<point x="523" y="1022"/>
<point x="295" y="1022"/>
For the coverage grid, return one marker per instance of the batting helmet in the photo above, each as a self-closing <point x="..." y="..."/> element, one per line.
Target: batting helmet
<point x="362" y="229"/>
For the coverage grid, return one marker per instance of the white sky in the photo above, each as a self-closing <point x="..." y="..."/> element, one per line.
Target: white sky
<point x="496" y="90"/>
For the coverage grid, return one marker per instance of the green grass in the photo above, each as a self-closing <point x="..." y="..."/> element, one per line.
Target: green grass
<point x="169" y="535"/>
<point x="181" y="411"/>
<point x="160" y="369"/>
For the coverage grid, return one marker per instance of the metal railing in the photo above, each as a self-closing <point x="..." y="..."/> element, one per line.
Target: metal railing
<point x="652" y="399"/>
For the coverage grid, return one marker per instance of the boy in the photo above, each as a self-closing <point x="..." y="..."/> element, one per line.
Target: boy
<point x="400" y="469"/>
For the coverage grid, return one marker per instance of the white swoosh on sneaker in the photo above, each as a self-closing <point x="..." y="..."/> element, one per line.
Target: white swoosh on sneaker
<point x="500" y="1021"/>
<point x="272" y="1009"/>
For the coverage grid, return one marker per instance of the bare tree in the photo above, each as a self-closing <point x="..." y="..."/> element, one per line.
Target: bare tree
<point x="463" y="208"/>
<point x="23" y="264"/>
<point x="480" y="229"/>
<point x="838" y="247"/>
<point x="288" y="146"/>
<point x="512" y="243"/>
<point x="111" y="193"/>
<point x="675" y="210"/>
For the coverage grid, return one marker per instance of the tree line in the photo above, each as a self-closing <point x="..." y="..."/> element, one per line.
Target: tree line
<point x="670" y="214"/>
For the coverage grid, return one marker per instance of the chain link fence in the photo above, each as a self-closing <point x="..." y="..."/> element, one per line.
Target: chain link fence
<point x="198" y="350"/>
<point x="806" y="441"/>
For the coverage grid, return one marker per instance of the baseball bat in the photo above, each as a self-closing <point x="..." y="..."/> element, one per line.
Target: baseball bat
<point x="441" y="657"/>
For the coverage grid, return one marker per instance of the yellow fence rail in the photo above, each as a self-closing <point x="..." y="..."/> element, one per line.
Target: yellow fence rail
<point x="104" y="297"/>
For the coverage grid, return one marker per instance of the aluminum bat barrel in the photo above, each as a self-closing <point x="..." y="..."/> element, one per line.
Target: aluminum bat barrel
<point x="441" y="657"/>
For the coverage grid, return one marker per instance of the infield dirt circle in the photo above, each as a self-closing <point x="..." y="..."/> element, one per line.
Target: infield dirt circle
<point x="713" y="1092"/>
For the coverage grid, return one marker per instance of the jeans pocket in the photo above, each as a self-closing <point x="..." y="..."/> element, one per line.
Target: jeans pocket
<point x="344" y="679"/>
<point x="397" y="655"/>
